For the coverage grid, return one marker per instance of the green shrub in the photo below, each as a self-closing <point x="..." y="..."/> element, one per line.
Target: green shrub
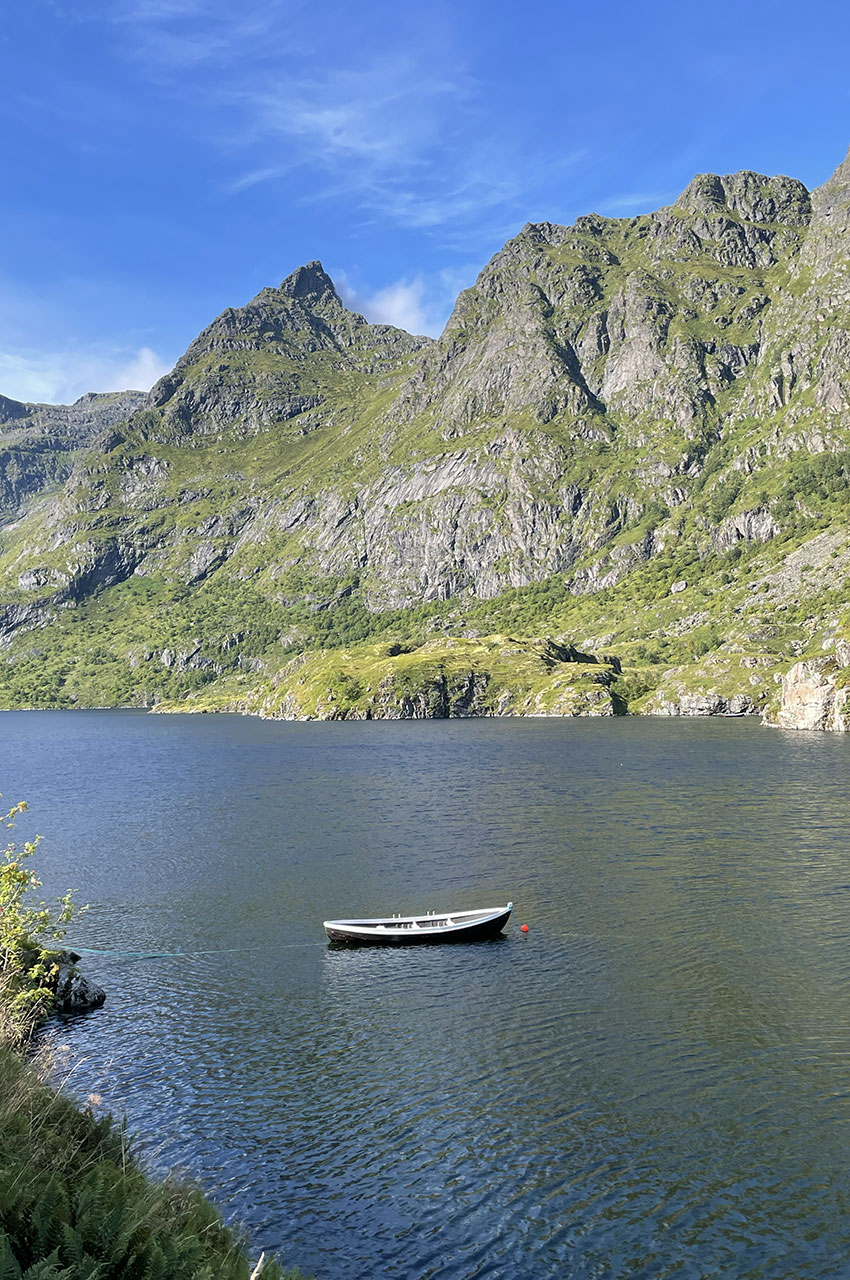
<point x="27" y="969"/>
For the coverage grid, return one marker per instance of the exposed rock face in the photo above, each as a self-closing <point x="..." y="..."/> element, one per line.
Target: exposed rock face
<point x="811" y="698"/>
<point x="443" y="698"/>
<point x="750" y="198"/>
<point x="263" y="364"/>
<point x="807" y="332"/>
<point x="588" y="319"/>
<point x="703" y="704"/>
<point x="746" y="526"/>
<point x="75" y="993"/>
<point x="38" y="442"/>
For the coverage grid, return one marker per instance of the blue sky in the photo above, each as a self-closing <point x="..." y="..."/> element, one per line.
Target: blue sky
<point x="164" y="159"/>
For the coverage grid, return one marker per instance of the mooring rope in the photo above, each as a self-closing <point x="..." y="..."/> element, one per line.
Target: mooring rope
<point x="163" y="955"/>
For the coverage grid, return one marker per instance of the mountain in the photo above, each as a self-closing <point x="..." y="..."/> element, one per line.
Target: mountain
<point x="39" y="442"/>
<point x="617" y="481"/>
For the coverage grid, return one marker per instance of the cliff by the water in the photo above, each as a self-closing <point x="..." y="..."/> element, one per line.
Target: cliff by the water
<point x="816" y="694"/>
<point x="633" y="438"/>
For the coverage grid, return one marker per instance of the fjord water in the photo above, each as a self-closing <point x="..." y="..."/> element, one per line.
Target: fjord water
<point x="654" y="1082"/>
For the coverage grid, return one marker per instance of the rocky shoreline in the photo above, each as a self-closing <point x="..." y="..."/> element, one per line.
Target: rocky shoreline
<point x="73" y="991"/>
<point x="551" y="679"/>
<point x="815" y="696"/>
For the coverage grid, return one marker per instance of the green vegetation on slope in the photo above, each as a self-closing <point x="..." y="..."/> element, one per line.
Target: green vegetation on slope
<point x="145" y="642"/>
<point x="489" y="675"/>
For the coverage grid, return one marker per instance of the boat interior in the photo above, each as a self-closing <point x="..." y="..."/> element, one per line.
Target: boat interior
<point x="428" y="921"/>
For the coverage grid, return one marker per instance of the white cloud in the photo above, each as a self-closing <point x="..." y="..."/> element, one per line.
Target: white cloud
<point x="401" y="304"/>
<point x="61" y="377"/>
<point x="139" y="373"/>
<point x="420" y="304"/>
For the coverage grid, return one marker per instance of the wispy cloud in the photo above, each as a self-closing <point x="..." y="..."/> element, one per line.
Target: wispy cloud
<point x="60" y="377"/>
<point x="389" y="109"/>
<point x="254" y="177"/>
<point x="401" y="135"/>
<point x="155" y="10"/>
<point x="177" y="35"/>
<point x="399" y="142"/>
<point x="186" y="36"/>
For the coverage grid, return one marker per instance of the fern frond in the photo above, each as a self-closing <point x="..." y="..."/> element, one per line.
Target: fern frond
<point x="48" y="1215"/>
<point x="48" y="1268"/>
<point x="9" y="1269"/>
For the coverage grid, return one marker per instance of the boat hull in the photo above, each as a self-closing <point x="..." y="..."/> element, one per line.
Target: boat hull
<point x="350" y="934"/>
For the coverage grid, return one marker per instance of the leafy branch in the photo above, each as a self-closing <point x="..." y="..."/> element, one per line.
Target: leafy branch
<point x="28" y="968"/>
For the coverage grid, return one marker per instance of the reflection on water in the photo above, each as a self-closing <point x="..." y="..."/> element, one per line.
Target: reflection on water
<point x="653" y="1082"/>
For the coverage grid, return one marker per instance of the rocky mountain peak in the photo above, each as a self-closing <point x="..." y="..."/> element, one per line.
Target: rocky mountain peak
<point x="311" y="283"/>
<point x="842" y="173"/>
<point x="751" y="196"/>
<point x="10" y="410"/>
<point x="281" y="356"/>
<point x="649" y="400"/>
<point x="825" y="250"/>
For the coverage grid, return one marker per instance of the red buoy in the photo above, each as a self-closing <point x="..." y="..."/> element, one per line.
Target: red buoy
<point x="523" y="928"/>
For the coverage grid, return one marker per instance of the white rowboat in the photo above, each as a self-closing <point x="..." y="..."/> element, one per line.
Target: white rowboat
<point x="434" y="926"/>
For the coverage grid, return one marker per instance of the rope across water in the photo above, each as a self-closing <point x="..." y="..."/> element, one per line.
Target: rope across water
<point x="163" y="955"/>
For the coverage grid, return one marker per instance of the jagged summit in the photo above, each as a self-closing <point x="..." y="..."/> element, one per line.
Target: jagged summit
<point x="310" y="283"/>
<point x="751" y="196"/>
<point x="284" y="354"/>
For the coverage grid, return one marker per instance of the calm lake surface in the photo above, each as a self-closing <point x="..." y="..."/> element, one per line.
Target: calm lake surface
<point x="654" y="1082"/>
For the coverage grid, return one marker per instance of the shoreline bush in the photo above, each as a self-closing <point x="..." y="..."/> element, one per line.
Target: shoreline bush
<point x="29" y="969"/>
